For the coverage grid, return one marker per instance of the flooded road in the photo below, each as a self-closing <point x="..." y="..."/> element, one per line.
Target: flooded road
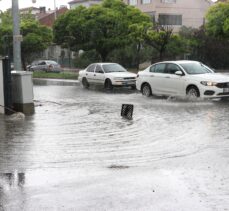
<point x="77" y="153"/>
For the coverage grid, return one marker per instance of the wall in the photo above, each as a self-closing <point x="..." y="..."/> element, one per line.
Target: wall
<point x="192" y="11"/>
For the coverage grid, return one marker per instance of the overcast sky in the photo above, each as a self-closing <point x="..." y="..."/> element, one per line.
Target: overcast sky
<point x="5" y="4"/>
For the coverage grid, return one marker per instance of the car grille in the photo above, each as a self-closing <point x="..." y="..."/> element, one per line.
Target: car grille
<point x="223" y="85"/>
<point x="129" y="78"/>
<point x="224" y="93"/>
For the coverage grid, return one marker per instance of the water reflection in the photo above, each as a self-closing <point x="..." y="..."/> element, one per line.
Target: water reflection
<point x="12" y="180"/>
<point x="13" y="142"/>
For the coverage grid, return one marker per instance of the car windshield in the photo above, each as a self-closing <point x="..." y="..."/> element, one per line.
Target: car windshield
<point x="109" y="68"/>
<point x="51" y="62"/>
<point x="196" y="68"/>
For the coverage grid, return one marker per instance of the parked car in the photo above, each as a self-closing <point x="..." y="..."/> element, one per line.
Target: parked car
<point x="44" y="65"/>
<point x="182" y="78"/>
<point x="107" y="74"/>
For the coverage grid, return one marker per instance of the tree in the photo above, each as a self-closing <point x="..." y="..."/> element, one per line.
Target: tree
<point x="6" y="33"/>
<point x="104" y="27"/>
<point x="159" y="37"/>
<point x="210" y="50"/>
<point x="217" y="20"/>
<point x="36" y="37"/>
<point x="137" y="35"/>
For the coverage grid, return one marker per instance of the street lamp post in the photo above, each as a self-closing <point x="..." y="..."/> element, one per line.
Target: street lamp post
<point x="55" y="9"/>
<point x="17" y="38"/>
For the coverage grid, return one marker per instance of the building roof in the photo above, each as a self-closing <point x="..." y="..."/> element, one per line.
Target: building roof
<point x="80" y="1"/>
<point x="48" y="19"/>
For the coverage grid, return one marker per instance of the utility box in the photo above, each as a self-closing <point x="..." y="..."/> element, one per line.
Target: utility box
<point x="22" y="92"/>
<point x="5" y="87"/>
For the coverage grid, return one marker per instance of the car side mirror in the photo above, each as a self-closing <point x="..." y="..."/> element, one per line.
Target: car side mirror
<point x="101" y="72"/>
<point x="179" y="72"/>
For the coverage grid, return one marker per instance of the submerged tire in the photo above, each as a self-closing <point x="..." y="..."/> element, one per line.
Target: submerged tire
<point x="85" y="83"/>
<point x="108" y="85"/>
<point x="146" y="90"/>
<point x="193" y="92"/>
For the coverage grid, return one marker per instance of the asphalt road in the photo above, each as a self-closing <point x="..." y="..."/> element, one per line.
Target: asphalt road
<point x="77" y="153"/>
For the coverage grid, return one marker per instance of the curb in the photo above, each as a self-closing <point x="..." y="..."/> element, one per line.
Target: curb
<point x="55" y="82"/>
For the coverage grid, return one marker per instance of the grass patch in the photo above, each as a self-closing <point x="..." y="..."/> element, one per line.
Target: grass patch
<point x="62" y="75"/>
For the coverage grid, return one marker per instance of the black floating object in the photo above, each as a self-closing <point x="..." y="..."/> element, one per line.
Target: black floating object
<point x="127" y="111"/>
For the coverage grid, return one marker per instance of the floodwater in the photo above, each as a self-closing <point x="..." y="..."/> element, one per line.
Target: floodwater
<point x="77" y="153"/>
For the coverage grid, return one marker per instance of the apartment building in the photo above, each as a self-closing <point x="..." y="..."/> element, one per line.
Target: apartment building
<point x="175" y="13"/>
<point x="86" y="3"/>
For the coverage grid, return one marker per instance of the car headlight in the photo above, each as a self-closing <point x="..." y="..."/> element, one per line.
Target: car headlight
<point x="208" y="83"/>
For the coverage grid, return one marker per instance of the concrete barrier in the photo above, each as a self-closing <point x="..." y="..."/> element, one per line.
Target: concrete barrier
<point x="55" y="82"/>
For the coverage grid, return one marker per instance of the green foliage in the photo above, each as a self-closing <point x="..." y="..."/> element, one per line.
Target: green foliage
<point x="6" y="29"/>
<point x="207" y="49"/>
<point x="162" y="39"/>
<point x="130" y="56"/>
<point x="104" y="27"/>
<point x="218" y="20"/>
<point x="86" y="58"/>
<point x="36" y="37"/>
<point x="62" y="75"/>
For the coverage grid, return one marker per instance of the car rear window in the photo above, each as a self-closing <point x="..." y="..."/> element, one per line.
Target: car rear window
<point x="109" y="68"/>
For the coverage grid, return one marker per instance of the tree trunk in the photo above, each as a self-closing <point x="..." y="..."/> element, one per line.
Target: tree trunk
<point x="138" y="55"/>
<point x="103" y="56"/>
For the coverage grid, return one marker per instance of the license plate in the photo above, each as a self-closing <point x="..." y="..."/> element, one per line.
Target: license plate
<point x="129" y="82"/>
<point x="226" y="90"/>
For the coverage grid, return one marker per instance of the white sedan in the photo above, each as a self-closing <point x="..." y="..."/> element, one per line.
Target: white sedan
<point x="108" y="75"/>
<point x="182" y="78"/>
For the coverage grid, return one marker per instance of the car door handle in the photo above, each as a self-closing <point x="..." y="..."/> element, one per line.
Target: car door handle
<point x="152" y="76"/>
<point x="94" y="74"/>
<point x="167" y="77"/>
<point x="86" y="74"/>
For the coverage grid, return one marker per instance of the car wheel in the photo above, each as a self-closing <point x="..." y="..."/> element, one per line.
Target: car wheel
<point x="146" y="90"/>
<point x="85" y="83"/>
<point x="193" y="92"/>
<point x="108" y="85"/>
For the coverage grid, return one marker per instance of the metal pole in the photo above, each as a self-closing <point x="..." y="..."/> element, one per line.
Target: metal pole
<point x="55" y="9"/>
<point x="17" y="38"/>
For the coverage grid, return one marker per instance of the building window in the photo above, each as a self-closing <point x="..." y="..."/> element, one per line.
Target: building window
<point x="145" y="1"/>
<point x="168" y="1"/>
<point x="132" y="2"/>
<point x="170" y="19"/>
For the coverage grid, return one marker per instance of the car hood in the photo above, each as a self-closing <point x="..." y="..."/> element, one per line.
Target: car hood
<point x="213" y="77"/>
<point x="122" y="74"/>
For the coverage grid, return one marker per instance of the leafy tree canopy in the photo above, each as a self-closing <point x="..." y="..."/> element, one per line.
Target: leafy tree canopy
<point x="105" y="27"/>
<point x="218" y="20"/>
<point x="36" y="37"/>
